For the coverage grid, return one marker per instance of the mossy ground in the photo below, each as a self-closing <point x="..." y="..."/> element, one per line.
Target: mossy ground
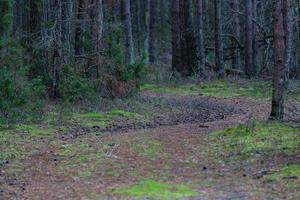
<point x="79" y="159"/>
<point x="99" y="119"/>
<point x="18" y="142"/>
<point x="13" y="140"/>
<point x="149" y="148"/>
<point x="288" y="172"/>
<point x="259" y="139"/>
<point x="148" y="189"/>
<point x="226" y="88"/>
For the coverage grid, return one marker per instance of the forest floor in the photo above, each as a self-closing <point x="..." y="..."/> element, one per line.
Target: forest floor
<point x="171" y="142"/>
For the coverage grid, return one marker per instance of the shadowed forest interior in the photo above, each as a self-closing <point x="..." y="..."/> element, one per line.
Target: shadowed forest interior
<point x="149" y="99"/>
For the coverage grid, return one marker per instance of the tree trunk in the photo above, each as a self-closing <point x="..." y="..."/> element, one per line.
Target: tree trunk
<point x="138" y="20"/>
<point x="153" y="36"/>
<point x="96" y="32"/>
<point x="184" y="55"/>
<point x="288" y="25"/>
<point x="67" y="24"/>
<point x="57" y="49"/>
<point x="279" y="71"/>
<point x="200" y="34"/>
<point x="147" y="29"/>
<point x="237" y="34"/>
<point x="249" y="38"/>
<point x="218" y="38"/>
<point x="128" y="33"/>
<point x="176" y="35"/>
<point x="254" y="30"/>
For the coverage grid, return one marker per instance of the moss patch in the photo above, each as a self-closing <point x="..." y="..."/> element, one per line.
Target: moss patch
<point x="35" y="131"/>
<point x="292" y="171"/>
<point x="149" y="148"/>
<point x="11" y="146"/>
<point x="100" y="119"/>
<point x="90" y="119"/>
<point x="258" y="138"/>
<point x="217" y="89"/>
<point x="149" y="189"/>
<point x="93" y="116"/>
<point x="125" y="114"/>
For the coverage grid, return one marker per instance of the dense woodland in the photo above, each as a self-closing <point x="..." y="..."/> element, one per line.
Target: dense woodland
<point x="149" y="99"/>
<point x="74" y="49"/>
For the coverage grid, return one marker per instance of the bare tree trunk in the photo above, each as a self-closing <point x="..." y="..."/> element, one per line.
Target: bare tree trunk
<point x="153" y="37"/>
<point x="147" y="29"/>
<point x="218" y="39"/>
<point x="297" y="71"/>
<point x="138" y="20"/>
<point x="67" y="31"/>
<point x="128" y="32"/>
<point x="279" y="71"/>
<point x="199" y="31"/>
<point x="57" y="54"/>
<point x="288" y="25"/>
<point x="96" y="32"/>
<point x="254" y="30"/>
<point x="237" y="34"/>
<point x="176" y="35"/>
<point x="249" y="37"/>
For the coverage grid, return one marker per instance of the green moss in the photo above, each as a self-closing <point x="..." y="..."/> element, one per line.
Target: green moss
<point x="90" y="119"/>
<point x="217" y="89"/>
<point x="93" y="116"/>
<point x="122" y="113"/>
<point x="259" y="138"/>
<point x="292" y="171"/>
<point x="9" y="148"/>
<point x="8" y="155"/>
<point x="101" y="119"/>
<point x="149" y="189"/>
<point x="79" y="159"/>
<point x="114" y="174"/>
<point x="149" y="148"/>
<point x="35" y="131"/>
<point x="70" y="150"/>
<point x="85" y="174"/>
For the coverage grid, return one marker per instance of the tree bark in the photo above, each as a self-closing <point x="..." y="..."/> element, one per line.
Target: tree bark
<point x="67" y="30"/>
<point x="153" y="36"/>
<point x="288" y="25"/>
<point x="147" y="29"/>
<point x="128" y="33"/>
<point x="139" y="34"/>
<point x="279" y="71"/>
<point x="218" y="39"/>
<point x="249" y="65"/>
<point x="237" y="34"/>
<point x="176" y="35"/>
<point x="200" y="34"/>
<point x="254" y="30"/>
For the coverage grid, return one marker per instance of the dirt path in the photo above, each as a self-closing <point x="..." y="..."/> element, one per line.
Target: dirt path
<point x="177" y="156"/>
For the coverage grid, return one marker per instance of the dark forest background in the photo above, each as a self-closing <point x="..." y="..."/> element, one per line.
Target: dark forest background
<point x="76" y="50"/>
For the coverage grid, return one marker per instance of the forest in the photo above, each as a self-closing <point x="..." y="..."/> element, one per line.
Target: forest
<point x="149" y="99"/>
